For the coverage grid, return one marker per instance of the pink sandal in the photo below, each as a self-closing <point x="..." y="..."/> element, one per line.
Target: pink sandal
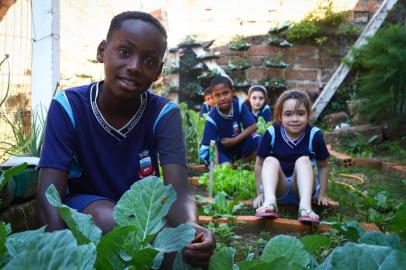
<point x="269" y="210"/>
<point x="308" y="216"/>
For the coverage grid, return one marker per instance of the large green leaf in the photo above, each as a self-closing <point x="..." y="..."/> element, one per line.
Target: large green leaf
<point x="223" y="259"/>
<point x="381" y="239"/>
<point x="81" y="225"/>
<point x="286" y="247"/>
<point x="399" y="220"/>
<point x="174" y="239"/>
<point x="255" y="265"/>
<point x="56" y="250"/>
<point x="350" y="229"/>
<point x="3" y="238"/>
<point x="180" y="264"/>
<point x="363" y="256"/>
<point x="16" y="243"/>
<point x="314" y="242"/>
<point x="144" y="206"/>
<point x="115" y="245"/>
<point x="7" y="174"/>
<point x="143" y="259"/>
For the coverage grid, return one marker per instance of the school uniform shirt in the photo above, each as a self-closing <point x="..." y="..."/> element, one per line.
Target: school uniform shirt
<point x="220" y="126"/>
<point x="101" y="159"/>
<point x="205" y="108"/>
<point x="287" y="151"/>
<point x="265" y="112"/>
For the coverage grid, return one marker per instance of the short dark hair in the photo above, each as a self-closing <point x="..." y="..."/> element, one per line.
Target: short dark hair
<point x="116" y="22"/>
<point x="220" y="79"/>
<point x="301" y="97"/>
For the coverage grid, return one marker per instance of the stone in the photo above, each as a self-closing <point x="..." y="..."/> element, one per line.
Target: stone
<point x="335" y="119"/>
<point x="337" y="137"/>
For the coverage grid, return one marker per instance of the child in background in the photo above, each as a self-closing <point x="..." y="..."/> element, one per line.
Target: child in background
<point x="102" y="137"/>
<point x="208" y="103"/>
<point x="257" y="102"/>
<point x="286" y="157"/>
<point x="223" y="124"/>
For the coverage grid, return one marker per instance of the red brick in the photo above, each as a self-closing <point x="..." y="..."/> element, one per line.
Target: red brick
<point x="276" y="73"/>
<point x="309" y="75"/>
<point x="256" y="60"/>
<point x="256" y="73"/>
<point x="302" y="50"/>
<point x="311" y="63"/>
<point x="262" y="50"/>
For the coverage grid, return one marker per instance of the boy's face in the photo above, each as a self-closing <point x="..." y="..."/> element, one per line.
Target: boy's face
<point x="132" y="58"/>
<point x="222" y="97"/>
<point x="209" y="100"/>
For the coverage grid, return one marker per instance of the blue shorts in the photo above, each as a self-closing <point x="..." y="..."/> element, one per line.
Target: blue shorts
<point x="290" y="198"/>
<point x="245" y="148"/>
<point x="81" y="201"/>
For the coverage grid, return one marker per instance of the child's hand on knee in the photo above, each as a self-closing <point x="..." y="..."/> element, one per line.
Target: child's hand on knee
<point x="326" y="201"/>
<point x="227" y="142"/>
<point x="258" y="200"/>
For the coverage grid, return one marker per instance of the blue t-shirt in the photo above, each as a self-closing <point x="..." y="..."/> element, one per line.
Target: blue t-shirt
<point x="205" y="108"/>
<point x="287" y="152"/>
<point x="265" y="112"/>
<point x="101" y="159"/>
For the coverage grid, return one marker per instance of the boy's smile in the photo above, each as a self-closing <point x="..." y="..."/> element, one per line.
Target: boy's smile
<point x="132" y="58"/>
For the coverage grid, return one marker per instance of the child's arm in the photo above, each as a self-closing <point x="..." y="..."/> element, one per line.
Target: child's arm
<point x="184" y="210"/>
<point x="46" y="213"/>
<point x="230" y="142"/>
<point x="258" y="182"/>
<point x="323" y="173"/>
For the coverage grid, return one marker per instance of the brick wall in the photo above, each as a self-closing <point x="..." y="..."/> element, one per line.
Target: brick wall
<point x="310" y="65"/>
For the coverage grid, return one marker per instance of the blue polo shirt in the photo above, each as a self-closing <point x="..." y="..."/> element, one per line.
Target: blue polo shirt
<point x="288" y="152"/>
<point x="265" y="112"/>
<point x="220" y="126"/>
<point x="205" y="108"/>
<point x="100" y="159"/>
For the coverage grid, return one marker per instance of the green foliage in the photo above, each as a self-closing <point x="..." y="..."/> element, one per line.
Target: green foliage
<point x="358" y="144"/>
<point x="6" y="175"/>
<point x="220" y="206"/>
<point x="317" y="23"/>
<point x="383" y="82"/>
<point x="262" y="126"/>
<point x="134" y="243"/>
<point x="238" y="64"/>
<point x="399" y="221"/>
<point x="238" y="183"/>
<point x="238" y="43"/>
<point x="193" y="127"/>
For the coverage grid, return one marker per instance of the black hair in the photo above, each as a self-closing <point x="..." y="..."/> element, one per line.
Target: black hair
<point x="220" y="79"/>
<point x="116" y="22"/>
<point x="207" y="91"/>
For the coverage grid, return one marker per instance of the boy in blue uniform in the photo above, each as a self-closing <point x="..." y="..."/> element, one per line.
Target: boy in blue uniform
<point x="103" y="137"/>
<point x="286" y="157"/>
<point x="223" y="125"/>
<point x="208" y="103"/>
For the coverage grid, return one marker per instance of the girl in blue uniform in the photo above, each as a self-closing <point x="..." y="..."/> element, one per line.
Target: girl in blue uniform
<point x="286" y="157"/>
<point x="257" y="102"/>
<point x="229" y="124"/>
<point x="102" y="137"/>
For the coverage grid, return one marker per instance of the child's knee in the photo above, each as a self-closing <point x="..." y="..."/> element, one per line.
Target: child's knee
<point x="303" y="160"/>
<point x="271" y="161"/>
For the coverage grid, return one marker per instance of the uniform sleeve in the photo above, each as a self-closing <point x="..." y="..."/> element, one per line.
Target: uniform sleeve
<point x="202" y="109"/>
<point x="266" y="112"/>
<point x="58" y="148"/>
<point x="319" y="147"/>
<point x="246" y="117"/>
<point x="264" y="149"/>
<point x="170" y="140"/>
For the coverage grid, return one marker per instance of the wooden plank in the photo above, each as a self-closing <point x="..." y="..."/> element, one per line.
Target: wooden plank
<point x="211" y="64"/>
<point x="343" y="70"/>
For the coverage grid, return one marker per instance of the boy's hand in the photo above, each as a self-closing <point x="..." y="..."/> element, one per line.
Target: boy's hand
<point x="228" y="142"/>
<point x="198" y="253"/>
<point x="258" y="200"/>
<point x="324" y="200"/>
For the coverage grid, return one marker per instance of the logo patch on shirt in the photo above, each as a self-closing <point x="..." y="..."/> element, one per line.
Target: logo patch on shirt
<point x="146" y="167"/>
<point x="236" y="128"/>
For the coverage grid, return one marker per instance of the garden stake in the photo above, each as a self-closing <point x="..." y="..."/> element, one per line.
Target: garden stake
<point x="211" y="158"/>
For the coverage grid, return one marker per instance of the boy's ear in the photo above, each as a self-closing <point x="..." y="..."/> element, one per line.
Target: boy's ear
<point x="100" y="51"/>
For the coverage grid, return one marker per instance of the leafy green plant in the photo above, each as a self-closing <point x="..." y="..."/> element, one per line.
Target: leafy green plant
<point x="220" y="206"/>
<point x="238" y="43"/>
<point x="193" y="127"/>
<point x="238" y="183"/>
<point x="137" y="242"/>
<point x="238" y="64"/>
<point x="262" y="125"/>
<point x="381" y="82"/>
